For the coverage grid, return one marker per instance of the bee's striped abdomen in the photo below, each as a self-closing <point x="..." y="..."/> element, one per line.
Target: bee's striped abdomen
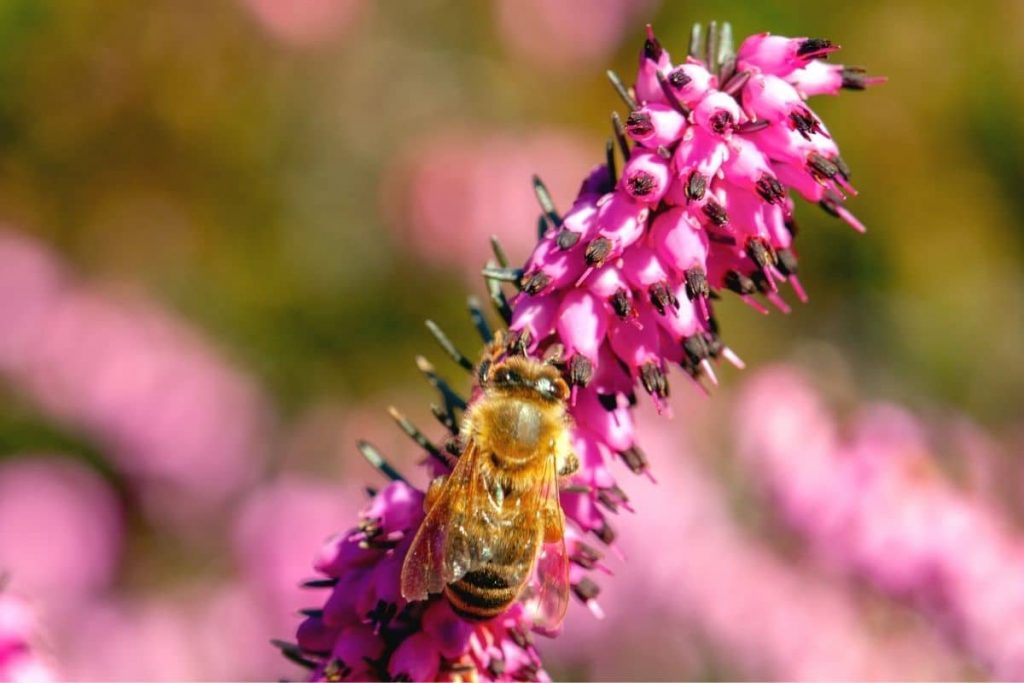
<point x="485" y="593"/>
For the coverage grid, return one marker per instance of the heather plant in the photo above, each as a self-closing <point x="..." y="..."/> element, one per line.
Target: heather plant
<point x="618" y="290"/>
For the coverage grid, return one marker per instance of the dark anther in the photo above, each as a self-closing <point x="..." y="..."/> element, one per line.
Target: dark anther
<point x="831" y="203"/>
<point x="670" y="94"/>
<point x="716" y="213"/>
<point x="791" y="226"/>
<point x="319" y="583"/>
<point x="586" y="556"/>
<point x="641" y="183"/>
<point x="652" y="48"/>
<point x="664" y="152"/>
<point x="770" y="189"/>
<point x="598" y="251"/>
<point x="581" y="371"/>
<point x="518" y="342"/>
<point x="678" y="78"/>
<point x="622" y="304"/>
<point x="841" y="165"/>
<point x="803" y="121"/>
<point x="787" y="261"/>
<point x="854" y="78"/>
<point x="521" y="638"/>
<point x="736" y="83"/>
<point x="635" y="459"/>
<point x="382" y="613"/>
<point x="821" y="167"/>
<point x="495" y="667"/>
<point x="639" y="124"/>
<point x="294" y="653"/>
<point x="553" y="354"/>
<point x="812" y="47"/>
<point x="696" y="349"/>
<point x="586" y="589"/>
<point x="696" y="185"/>
<point x="736" y="281"/>
<point x="721" y="121"/>
<point x="761" y="281"/>
<point x="751" y="126"/>
<point x="761" y="252"/>
<point x="535" y="282"/>
<point x="653" y="379"/>
<point x="567" y="239"/>
<point x="662" y="297"/>
<point x="608" y="500"/>
<point x="609" y="402"/>
<point x="606" y="533"/>
<point x="697" y="283"/>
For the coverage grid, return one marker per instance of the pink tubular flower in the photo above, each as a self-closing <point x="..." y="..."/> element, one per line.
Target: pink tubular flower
<point x="616" y="292"/>
<point x="18" y="661"/>
<point x="875" y="506"/>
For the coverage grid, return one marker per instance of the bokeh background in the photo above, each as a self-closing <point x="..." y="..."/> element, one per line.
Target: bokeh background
<point x="222" y="225"/>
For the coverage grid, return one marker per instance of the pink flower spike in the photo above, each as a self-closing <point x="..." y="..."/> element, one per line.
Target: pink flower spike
<point x="780" y="56"/>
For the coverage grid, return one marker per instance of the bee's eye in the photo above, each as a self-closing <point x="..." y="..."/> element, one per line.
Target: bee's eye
<point x="507" y="377"/>
<point x="545" y="386"/>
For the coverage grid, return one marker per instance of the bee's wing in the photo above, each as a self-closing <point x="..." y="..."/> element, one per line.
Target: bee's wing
<point x="546" y="597"/>
<point x="444" y="549"/>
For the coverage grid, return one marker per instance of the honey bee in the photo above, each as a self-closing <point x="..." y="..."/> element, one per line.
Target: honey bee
<point x="496" y="517"/>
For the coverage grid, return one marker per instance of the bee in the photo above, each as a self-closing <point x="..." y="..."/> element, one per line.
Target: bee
<point x="496" y="517"/>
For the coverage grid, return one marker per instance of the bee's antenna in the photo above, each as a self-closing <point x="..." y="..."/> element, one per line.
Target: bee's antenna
<point x="479" y="321"/>
<point x="294" y="653"/>
<point x="416" y="435"/>
<point x="449" y="346"/>
<point x="498" y="296"/>
<point x="374" y="457"/>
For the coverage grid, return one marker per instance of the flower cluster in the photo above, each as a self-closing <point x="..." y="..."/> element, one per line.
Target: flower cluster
<point x="18" y="662"/>
<point x="615" y="292"/>
<point x="875" y="506"/>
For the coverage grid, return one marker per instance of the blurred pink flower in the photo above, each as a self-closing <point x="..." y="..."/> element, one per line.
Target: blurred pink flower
<point x="278" y="527"/>
<point x="60" y="529"/>
<point x="152" y="392"/>
<point x="692" y="575"/>
<point x="19" y="660"/>
<point x="465" y="186"/>
<point x="875" y="505"/>
<point x="209" y="632"/>
<point x="304" y="23"/>
<point x="569" y="34"/>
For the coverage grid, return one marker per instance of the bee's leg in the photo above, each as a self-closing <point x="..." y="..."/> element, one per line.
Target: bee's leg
<point x="433" y="492"/>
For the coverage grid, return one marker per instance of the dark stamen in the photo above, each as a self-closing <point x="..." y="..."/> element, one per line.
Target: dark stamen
<point x="787" y="261"/>
<point x="598" y="251"/>
<point x="622" y="305"/>
<point x="652" y="48"/>
<point x="670" y="94"/>
<point x="377" y="461"/>
<point x="586" y="555"/>
<point x="804" y="122"/>
<point x="653" y="379"/>
<point x="641" y="184"/>
<point x="319" y="583"/>
<point x="449" y="346"/>
<point x="567" y="239"/>
<point x="479" y="321"/>
<point x="721" y="121"/>
<point x="696" y="184"/>
<point x="609" y="402"/>
<point x="518" y="342"/>
<point x="813" y="47"/>
<point x="547" y="205"/>
<point x="678" y="79"/>
<point x="662" y="297"/>
<point x="716" y="213"/>
<point x="535" y="282"/>
<point x="620" y="88"/>
<point x="697" y="283"/>
<point x="760" y="252"/>
<point x="638" y="124"/>
<point x="770" y="189"/>
<point x="736" y="281"/>
<point x="581" y="371"/>
<point x="821" y="167"/>
<point x="635" y="459"/>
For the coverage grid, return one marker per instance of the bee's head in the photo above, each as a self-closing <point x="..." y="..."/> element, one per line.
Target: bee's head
<point x="524" y="376"/>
